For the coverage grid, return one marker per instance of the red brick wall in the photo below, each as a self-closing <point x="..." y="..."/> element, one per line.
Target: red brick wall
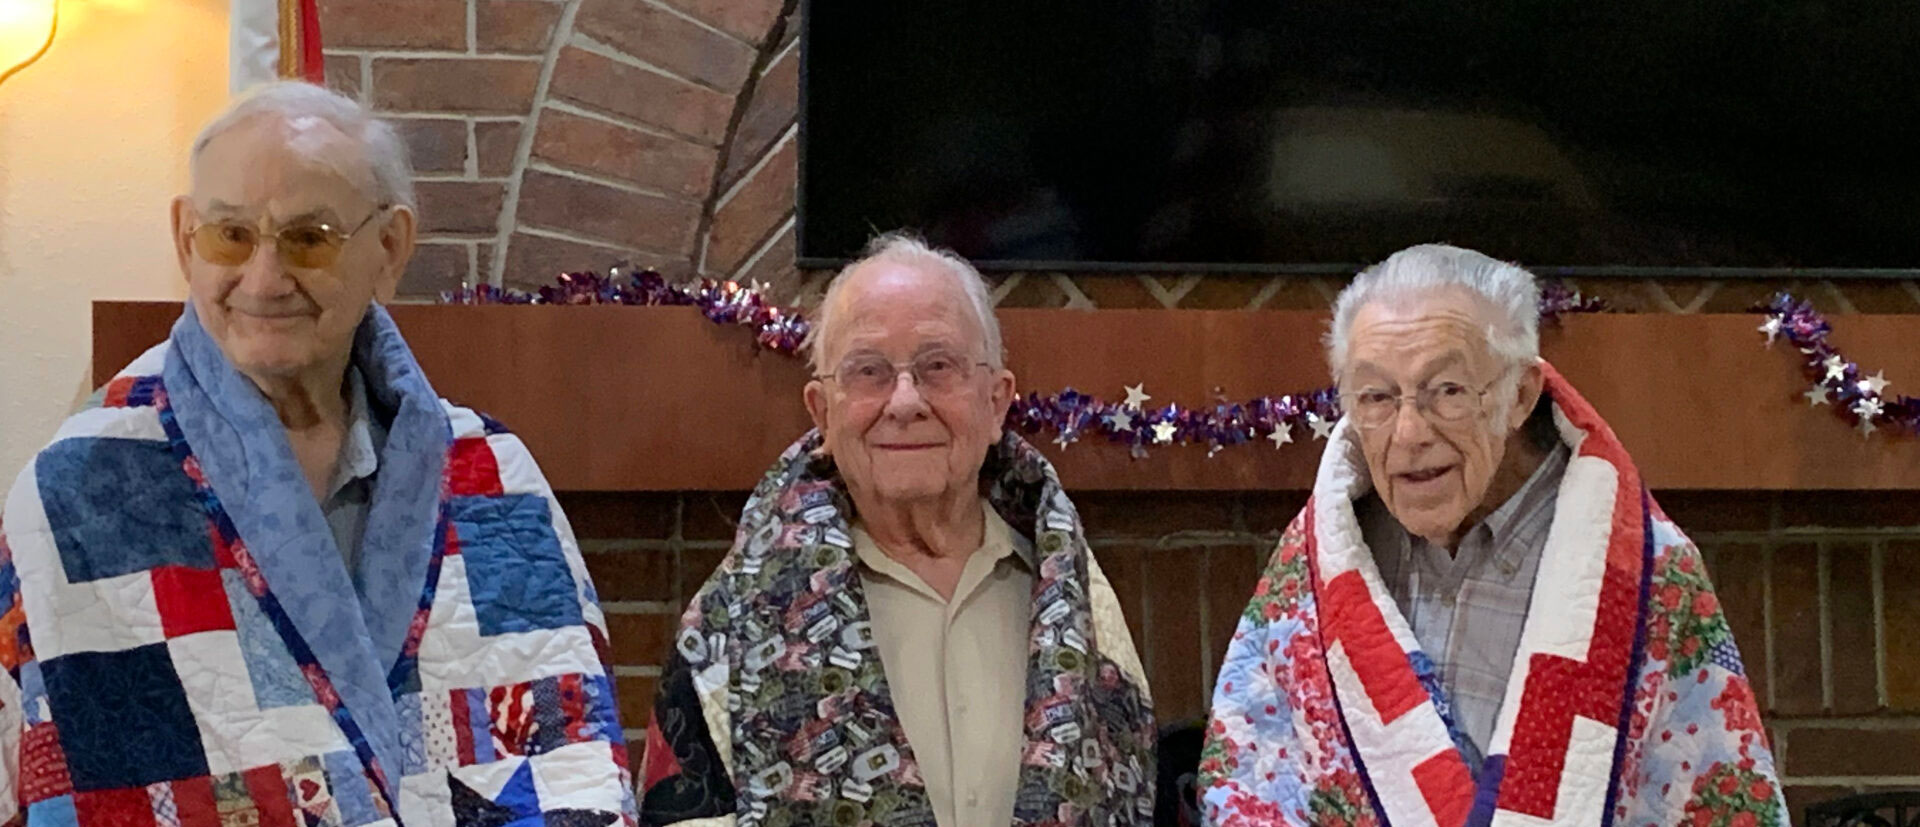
<point x="553" y="135"/>
<point x="1822" y="589"/>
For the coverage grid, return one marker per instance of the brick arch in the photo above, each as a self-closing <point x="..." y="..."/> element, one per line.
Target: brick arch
<point x="553" y="135"/>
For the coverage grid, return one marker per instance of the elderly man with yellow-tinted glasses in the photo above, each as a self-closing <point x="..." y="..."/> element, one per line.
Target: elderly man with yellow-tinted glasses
<point x="269" y="570"/>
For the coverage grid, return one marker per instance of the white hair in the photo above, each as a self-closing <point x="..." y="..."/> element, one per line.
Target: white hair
<point x="385" y="152"/>
<point x="901" y="247"/>
<point x="1508" y="291"/>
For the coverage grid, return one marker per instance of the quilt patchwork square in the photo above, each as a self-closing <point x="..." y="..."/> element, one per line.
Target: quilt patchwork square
<point x="472" y="727"/>
<point x="130" y="392"/>
<point x="352" y="792"/>
<point x="124" y="604"/>
<point x="413" y="744"/>
<point x="277" y="680"/>
<point x="53" y="812"/>
<point x="99" y="697"/>
<point x="190" y="600"/>
<point x="312" y="795"/>
<point x="255" y="798"/>
<point x="472" y="470"/>
<point x="121" y="506"/>
<point x="530" y="718"/>
<point x="517" y="575"/>
<point x="600" y="718"/>
<point x="165" y="812"/>
<point x="436" y="730"/>
<point x="33" y="693"/>
<point x="43" y="765"/>
<point x="193" y="802"/>
<point x="125" y="807"/>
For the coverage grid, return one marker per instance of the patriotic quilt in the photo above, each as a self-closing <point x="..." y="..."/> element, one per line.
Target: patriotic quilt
<point x="1628" y="704"/>
<point x="183" y="645"/>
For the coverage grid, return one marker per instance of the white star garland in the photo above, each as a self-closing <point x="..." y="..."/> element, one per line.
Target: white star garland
<point x="1863" y="396"/>
<point x="1322" y="428"/>
<point x="1281" y="435"/>
<point x="1875" y="384"/>
<point x="1836" y="368"/>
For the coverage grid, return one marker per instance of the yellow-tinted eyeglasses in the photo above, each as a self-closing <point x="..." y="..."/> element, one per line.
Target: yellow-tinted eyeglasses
<point x="306" y="246"/>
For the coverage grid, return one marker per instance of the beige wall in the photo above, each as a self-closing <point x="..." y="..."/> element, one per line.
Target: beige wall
<point x="93" y="142"/>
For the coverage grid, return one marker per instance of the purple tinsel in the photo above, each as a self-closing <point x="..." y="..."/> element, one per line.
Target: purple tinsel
<point x="1069" y="415"/>
<point x="725" y="302"/>
<point x="1841" y="383"/>
<point x="1557" y="299"/>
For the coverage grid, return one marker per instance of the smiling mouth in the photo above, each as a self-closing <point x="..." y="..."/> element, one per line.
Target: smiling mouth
<point x="909" y="446"/>
<point x="274" y="317"/>
<point x="1428" y="475"/>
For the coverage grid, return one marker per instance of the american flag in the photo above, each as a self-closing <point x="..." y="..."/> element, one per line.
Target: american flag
<point x="274" y="40"/>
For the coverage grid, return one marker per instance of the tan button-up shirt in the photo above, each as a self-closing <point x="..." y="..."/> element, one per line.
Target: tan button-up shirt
<point x="958" y="670"/>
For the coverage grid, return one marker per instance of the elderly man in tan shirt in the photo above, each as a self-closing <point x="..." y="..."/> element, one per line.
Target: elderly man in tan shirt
<point x="910" y="629"/>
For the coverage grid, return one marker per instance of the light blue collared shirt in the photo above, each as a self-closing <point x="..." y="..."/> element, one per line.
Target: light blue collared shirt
<point x="350" y="494"/>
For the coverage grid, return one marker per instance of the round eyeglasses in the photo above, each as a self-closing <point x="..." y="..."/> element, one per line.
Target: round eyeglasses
<point x="871" y="375"/>
<point x="304" y="246"/>
<point x="1440" y="402"/>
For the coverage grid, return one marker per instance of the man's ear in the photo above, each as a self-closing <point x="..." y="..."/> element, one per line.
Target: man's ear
<point x="1004" y="387"/>
<point x="815" y="395"/>
<point x="397" y="236"/>
<point x="183" y="220"/>
<point x="1527" y="392"/>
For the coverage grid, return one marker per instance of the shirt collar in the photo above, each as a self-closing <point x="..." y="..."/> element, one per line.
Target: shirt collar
<point x="1535" y="494"/>
<point x="997" y="542"/>
<point x="359" y="455"/>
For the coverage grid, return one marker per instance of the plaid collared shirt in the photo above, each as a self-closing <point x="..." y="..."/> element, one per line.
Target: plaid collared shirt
<point x="1468" y="609"/>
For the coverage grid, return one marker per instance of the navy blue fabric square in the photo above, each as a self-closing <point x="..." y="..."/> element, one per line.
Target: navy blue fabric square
<point x="550" y="713"/>
<point x="124" y="720"/>
<point x="119" y="506"/>
<point x="516" y="573"/>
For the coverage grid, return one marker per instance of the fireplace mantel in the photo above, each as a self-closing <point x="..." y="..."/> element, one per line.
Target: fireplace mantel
<point x="660" y="399"/>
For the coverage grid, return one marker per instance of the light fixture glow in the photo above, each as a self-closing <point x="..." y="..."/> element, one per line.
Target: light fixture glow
<point x="26" y="31"/>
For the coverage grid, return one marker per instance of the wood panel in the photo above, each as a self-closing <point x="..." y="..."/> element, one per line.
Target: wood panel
<point x="657" y="399"/>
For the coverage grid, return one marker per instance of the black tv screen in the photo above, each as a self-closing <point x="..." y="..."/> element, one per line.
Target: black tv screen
<point x="1627" y="136"/>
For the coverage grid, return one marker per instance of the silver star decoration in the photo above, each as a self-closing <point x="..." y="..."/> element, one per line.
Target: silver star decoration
<point x="1867" y="408"/>
<point x="1120" y="421"/>
<point x="1876" y="383"/>
<point x="1866" y="427"/>
<point x="1281" y="435"/>
<point x="1816" y="396"/>
<point x="1214" y="448"/>
<point x="1772" y="329"/>
<point x="1321" y="427"/>
<point x="1163" y="432"/>
<point x="1137" y="396"/>
<point x="1063" y="440"/>
<point x="1836" y="368"/>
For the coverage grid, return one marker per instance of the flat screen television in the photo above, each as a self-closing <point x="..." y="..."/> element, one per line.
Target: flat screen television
<point x="1658" y="137"/>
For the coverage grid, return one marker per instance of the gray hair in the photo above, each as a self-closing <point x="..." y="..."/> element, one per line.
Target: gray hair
<point x="902" y="247"/>
<point x="385" y="152"/>
<point x="1509" y="290"/>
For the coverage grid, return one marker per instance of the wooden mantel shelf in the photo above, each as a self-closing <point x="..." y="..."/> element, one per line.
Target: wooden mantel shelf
<point x="660" y="399"/>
